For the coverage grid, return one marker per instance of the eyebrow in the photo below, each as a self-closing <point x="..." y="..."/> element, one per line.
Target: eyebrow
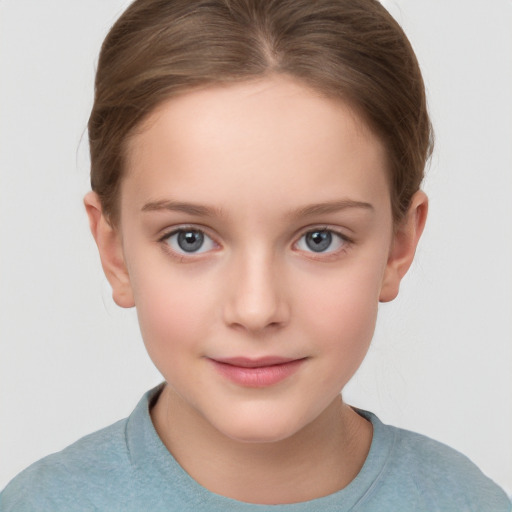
<point x="330" y="207"/>
<point x="200" y="210"/>
<point x="178" y="206"/>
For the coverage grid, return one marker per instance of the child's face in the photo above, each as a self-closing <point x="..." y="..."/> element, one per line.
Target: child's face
<point x="256" y="228"/>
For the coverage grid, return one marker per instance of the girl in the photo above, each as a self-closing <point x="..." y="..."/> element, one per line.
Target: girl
<point x="255" y="193"/>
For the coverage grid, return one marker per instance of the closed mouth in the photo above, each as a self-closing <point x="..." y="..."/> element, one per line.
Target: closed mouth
<point x="257" y="373"/>
<point x="245" y="362"/>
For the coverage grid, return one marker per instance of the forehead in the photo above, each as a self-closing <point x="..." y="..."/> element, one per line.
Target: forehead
<point x="273" y="138"/>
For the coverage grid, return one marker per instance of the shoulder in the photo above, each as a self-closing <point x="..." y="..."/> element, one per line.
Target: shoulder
<point x="439" y="477"/>
<point x="81" y="470"/>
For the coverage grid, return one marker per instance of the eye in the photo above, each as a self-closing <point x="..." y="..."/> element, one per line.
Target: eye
<point x="321" y="241"/>
<point x="189" y="241"/>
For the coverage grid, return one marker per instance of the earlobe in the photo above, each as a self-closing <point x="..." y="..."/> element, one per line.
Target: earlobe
<point x="110" y="247"/>
<point x="404" y="246"/>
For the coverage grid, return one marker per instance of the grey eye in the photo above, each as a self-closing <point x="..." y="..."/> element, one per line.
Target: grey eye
<point x="190" y="241"/>
<point x="320" y="241"/>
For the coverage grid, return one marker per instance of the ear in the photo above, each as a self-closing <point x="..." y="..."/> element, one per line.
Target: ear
<point x="405" y="241"/>
<point x="110" y="247"/>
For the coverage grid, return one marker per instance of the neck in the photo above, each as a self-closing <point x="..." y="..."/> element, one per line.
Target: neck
<point x="322" y="458"/>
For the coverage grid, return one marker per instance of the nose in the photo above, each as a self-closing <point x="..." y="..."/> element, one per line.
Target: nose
<point x="256" y="294"/>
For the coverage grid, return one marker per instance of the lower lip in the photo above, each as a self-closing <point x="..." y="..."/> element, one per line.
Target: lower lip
<point x="260" y="377"/>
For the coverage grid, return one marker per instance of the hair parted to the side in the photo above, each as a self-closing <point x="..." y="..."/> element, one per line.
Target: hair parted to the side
<point x="348" y="49"/>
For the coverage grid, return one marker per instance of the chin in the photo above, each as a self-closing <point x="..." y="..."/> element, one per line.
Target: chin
<point x="253" y="437"/>
<point x="247" y="430"/>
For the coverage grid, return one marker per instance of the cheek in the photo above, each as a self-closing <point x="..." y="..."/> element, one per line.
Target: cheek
<point x="174" y="313"/>
<point x="340" y="310"/>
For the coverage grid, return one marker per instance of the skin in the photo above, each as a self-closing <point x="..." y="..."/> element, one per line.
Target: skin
<point x="257" y="156"/>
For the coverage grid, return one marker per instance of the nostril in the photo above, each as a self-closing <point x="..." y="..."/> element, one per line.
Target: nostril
<point x="265" y="317"/>
<point x="254" y="297"/>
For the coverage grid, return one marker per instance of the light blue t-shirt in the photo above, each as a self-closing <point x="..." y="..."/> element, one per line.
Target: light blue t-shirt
<point x="125" y="467"/>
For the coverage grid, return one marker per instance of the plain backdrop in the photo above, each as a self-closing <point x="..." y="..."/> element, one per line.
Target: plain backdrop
<point x="72" y="362"/>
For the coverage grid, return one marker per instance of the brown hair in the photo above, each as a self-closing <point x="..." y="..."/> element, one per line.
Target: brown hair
<point x="348" y="49"/>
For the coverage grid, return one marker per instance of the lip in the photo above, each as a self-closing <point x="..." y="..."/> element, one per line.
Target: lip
<point x="257" y="373"/>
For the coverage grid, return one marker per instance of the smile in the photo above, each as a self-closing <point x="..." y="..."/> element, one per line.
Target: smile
<point x="257" y="373"/>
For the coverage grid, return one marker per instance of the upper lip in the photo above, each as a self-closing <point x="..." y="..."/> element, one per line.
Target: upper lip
<point x="247" y="362"/>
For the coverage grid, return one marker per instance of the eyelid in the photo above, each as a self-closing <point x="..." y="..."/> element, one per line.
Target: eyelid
<point x="183" y="255"/>
<point x="171" y="230"/>
<point x="324" y="227"/>
<point x="348" y="241"/>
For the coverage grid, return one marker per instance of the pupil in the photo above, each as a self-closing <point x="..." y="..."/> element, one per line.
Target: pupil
<point x="190" y="241"/>
<point x="318" y="241"/>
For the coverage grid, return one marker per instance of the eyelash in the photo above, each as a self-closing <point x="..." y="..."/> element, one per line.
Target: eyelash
<point x="320" y="255"/>
<point x="184" y="256"/>
<point x="326" y="256"/>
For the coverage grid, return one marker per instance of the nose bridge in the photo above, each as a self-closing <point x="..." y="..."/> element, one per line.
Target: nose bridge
<point x="256" y="295"/>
